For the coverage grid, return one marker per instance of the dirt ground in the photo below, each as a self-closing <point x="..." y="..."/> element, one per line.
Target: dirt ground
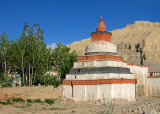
<point x="64" y="106"/>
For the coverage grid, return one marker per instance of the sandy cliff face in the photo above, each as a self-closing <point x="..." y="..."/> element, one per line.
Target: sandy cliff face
<point x="80" y="46"/>
<point x="141" y="34"/>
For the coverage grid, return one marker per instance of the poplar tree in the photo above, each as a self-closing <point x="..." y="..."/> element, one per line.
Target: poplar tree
<point x="4" y="44"/>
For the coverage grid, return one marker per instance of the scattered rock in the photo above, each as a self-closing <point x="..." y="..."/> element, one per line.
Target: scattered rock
<point x="123" y="110"/>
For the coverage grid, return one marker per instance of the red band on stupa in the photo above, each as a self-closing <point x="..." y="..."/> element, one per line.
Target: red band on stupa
<point x="96" y="82"/>
<point x="100" y="57"/>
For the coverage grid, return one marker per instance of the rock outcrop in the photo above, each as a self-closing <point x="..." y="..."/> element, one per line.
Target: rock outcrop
<point x="141" y="34"/>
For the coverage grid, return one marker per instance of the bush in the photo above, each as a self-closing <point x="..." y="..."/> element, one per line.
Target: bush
<point x="29" y="101"/>
<point x="37" y="101"/>
<point x="50" y="80"/>
<point x="6" y="102"/>
<point x="6" y="80"/>
<point x="17" y="100"/>
<point x="56" y="108"/>
<point x="49" y="101"/>
<point x="73" y="111"/>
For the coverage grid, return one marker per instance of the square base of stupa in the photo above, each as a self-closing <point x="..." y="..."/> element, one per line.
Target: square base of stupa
<point x="91" y="90"/>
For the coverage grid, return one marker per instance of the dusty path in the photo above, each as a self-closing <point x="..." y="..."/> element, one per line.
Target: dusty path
<point x="61" y="106"/>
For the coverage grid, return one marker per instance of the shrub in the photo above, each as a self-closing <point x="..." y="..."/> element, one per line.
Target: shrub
<point x="50" y="80"/>
<point x="56" y="108"/>
<point x="29" y="101"/>
<point x="49" y="101"/>
<point x="6" y="102"/>
<point x="17" y="100"/>
<point x="6" y="80"/>
<point x="73" y="111"/>
<point x="28" y="105"/>
<point x="37" y="101"/>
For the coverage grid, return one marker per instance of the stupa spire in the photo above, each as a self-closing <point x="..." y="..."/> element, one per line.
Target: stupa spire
<point x="101" y="25"/>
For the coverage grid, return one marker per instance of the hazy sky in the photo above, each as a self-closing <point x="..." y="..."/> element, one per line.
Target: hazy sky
<point x="67" y="21"/>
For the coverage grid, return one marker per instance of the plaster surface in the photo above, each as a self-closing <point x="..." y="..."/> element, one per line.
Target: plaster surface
<point x="95" y="92"/>
<point x="141" y="74"/>
<point x="100" y="63"/>
<point x="101" y="46"/>
<point x="99" y="76"/>
<point x="154" y="87"/>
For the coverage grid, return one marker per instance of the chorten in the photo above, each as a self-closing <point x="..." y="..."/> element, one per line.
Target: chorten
<point x="101" y="73"/>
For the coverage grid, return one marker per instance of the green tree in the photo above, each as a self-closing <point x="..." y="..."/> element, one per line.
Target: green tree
<point x="50" y="80"/>
<point x="4" y="44"/>
<point x="63" y="59"/>
<point x="37" y="53"/>
<point x="29" y="56"/>
<point x="13" y="53"/>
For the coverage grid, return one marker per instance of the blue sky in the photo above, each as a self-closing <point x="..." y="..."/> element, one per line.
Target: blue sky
<point x="67" y="21"/>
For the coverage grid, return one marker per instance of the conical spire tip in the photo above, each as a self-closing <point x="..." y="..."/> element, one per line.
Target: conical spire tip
<point x="100" y="17"/>
<point x="101" y="25"/>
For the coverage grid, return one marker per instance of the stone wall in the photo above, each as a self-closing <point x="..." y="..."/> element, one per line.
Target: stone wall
<point x="37" y="92"/>
<point x="154" y="86"/>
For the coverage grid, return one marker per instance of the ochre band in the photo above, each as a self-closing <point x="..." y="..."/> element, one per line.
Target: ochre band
<point x="100" y="57"/>
<point x="152" y="77"/>
<point x="96" y="82"/>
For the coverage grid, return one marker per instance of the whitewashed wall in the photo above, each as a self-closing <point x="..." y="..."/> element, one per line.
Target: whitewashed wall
<point x="154" y="87"/>
<point x="141" y="74"/>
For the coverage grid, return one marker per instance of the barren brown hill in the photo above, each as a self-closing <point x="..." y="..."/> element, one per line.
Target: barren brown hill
<point x="141" y="34"/>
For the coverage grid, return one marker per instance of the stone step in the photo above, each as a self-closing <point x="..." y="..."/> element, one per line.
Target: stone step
<point x="99" y="76"/>
<point x="100" y="63"/>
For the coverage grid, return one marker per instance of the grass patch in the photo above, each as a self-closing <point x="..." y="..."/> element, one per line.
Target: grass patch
<point x="29" y="101"/>
<point x="19" y="106"/>
<point x="56" y="108"/>
<point x="73" y="111"/>
<point x="49" y="101"/>
<point x="44" y="108"/>
<point x="16" y="106"/>
<point x="37" y="101"/>
<point x="6" y="102"/>
<point x="17" y="100"/>
<point x="28" y="104"/>
<point x="41" y="104"/>
<point x="24" y="106"/>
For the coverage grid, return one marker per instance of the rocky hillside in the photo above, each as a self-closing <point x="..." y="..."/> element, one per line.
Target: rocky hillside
<point x="141" y="34"/>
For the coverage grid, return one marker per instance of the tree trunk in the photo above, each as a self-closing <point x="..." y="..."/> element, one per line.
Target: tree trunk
<point x="22" y="68"/>
<point x="32" y="71"/>
<point x="26" y="77"/>
<point x="32" y="75"/>
<point x="23" y="75"/>
<point x="29" y="76"/>
<point x="5" y="65"/>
